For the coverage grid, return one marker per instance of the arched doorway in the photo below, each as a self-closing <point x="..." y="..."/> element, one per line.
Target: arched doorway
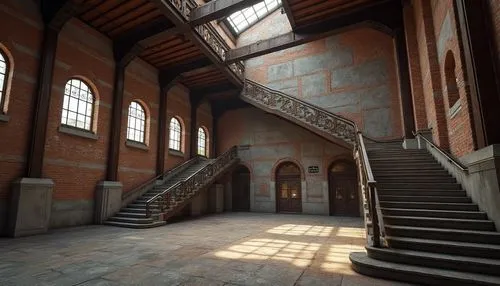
<point x="241" y="189"/>
<point x="343" y="189"/>
<point x="288" y="188"/>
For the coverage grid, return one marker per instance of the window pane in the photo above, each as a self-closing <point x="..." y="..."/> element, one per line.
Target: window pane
<point x="136" y="122"/>
<point x="240" y="20"/>
<point x="77" y="104"/>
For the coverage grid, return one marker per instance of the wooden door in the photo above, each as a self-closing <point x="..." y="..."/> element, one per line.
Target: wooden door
<point x="241" y="189"/>
<point x="288" y="189"/>
<point x="343" y="189"/>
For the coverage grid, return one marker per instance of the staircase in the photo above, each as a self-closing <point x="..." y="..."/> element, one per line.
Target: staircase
<point x="434" y="233"/>
<point x="157" y="203"/>
<point x="334" y="128"/>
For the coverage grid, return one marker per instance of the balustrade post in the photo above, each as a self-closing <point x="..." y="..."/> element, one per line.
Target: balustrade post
<point x="374" y="216"/>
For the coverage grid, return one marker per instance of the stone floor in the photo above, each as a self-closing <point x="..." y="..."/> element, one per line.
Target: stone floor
<point x="227" y="249"/>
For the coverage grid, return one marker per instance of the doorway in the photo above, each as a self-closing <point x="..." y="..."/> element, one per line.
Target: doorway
<point x="288" y="188"/>
<point x="241" y="189"/>
<point x="343" y="189"/>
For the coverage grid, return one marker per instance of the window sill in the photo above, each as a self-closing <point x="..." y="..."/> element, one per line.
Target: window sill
<point x="137" y="145"/>
<point x="77" y="132"/>
<point x="175" y="153"/>
<point x="4" y="117"/>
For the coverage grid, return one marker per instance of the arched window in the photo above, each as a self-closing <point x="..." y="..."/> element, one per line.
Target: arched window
<point x="4" y="73"/>
<point x="78" y="105"/>
<point x="175" y="134"/>
<point x="136" y="122"/>
<point x="202" y="142"/>
<point x="451" y="79"/>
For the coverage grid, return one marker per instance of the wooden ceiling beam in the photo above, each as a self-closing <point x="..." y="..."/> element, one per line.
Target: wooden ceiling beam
<point x="190" y="66"/>
<point x="126" y="48"/>
<point x="386" y="17"/>
<point x="56" y="13"/>
<point x="286" y="6"/>
<point x="217" y="9"/>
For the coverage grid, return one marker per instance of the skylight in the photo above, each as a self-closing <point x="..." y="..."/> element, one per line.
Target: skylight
<point x="243" y="19"/>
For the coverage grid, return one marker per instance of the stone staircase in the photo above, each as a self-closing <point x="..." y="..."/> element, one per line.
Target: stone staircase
<point x="434" y="233"/>
<point x="134" y="214"/>
<point x="176" y="191"/>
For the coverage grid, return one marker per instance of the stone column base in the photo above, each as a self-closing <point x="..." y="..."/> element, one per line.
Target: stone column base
<point x="30" y="207"/>
<point x="410" y="144"/>
<point x="108" y="200"/>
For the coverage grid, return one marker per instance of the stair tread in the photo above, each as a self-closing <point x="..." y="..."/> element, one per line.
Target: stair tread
<point x="361" y="259"/>
<point x="439" y="219"/>
<point x="433" y="203"/>
<point x="430" y="210"/>
<point x="445" y="230"/>
<point x="444" y="242"/>
<point x="135" y="225"/>
<point x="441" y="256"/>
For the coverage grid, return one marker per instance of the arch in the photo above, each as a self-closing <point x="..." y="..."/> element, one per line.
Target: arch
<point x="203" y="141"/>
<point x="137" y="117"/>
<point x="343" y="190"/>
<point x="176" y="131"/>
<point x="6" y="74"/>
<point x="78" y="108"/>
<point x="284" y="160"/>
<point x="241" y="178"/>
<point x="450" y="77"/>
<point x="288" y="188"/>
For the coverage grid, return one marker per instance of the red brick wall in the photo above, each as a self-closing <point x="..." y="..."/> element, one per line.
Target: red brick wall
<point x="437" y="37"/>
<point x="178" y="105"/>
<point x="204" y="116"/>
<point x="351" y="74"/>
<point x="494" y="6"/>
<point x="23" y="46"/>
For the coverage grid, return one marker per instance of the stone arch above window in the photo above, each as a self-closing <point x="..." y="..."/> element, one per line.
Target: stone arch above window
<point x="202" y="141"/>
<point x="78" y="105"/>
<point x="136" y="127"/>
<point x="175" y="134"/>
<point x="451" y="79"/>
<point x="6" y="72"/>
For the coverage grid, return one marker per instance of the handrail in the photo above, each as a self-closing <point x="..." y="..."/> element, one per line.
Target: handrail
<point x="209" y="34"/>
<point x="311" y="113"/>
<point x="369" y="186"/>
<point x="188" y="185"/>
<point x="135" y="190"/>
<point x="448" y="156"/>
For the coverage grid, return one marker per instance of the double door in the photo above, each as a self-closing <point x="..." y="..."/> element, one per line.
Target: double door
<point x="289" y="195"/>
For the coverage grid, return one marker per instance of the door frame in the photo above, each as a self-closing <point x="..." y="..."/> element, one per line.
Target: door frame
<point x="277" y="192"/>
<point x="238" y="168"/>
<point x="331" y="197"/>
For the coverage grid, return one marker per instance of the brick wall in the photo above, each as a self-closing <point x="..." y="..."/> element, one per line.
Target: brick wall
<point x="77" y="163"/>
<point x="271" y="141"/>
<point x="438" y="44"/>
<point x="352" y="74"/>
<point x="494" y="6"/>
<point x="23" y="47"/>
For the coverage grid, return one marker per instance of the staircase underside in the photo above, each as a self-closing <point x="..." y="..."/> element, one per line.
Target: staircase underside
<point x="434" y="233"/>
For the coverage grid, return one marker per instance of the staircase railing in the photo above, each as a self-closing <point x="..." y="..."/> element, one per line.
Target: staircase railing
<point x="208" y="33"/>
<point x="186" y="188"/>
<point x="309" y="114"/>
<point x="368" y="187"/>
<point x="448" y="157"/>
<point x="138" y="191"/>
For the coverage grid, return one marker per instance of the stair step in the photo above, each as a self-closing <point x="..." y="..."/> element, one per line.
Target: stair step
<point x="134" y="225"/>
<point x="137" y="210"/>
<point x="449" y="247"/>
<point x="134" y="220"/>
<point x="435" y="199"/>
<point x="436" y="260"/>
<point x="439" y="193"/>
<point x="486" y="237"/>
<point x="135" y="214"/>
<point x="406" y="168"/>
<point x="434" y="213"/>
<point x="416" y="174"/>
<point x="430" y="206"/>
<point x="416" y="180"/>
<point x="448" y="223"/>
<point x="363" y="264"/>
<point x="443" y="186"/>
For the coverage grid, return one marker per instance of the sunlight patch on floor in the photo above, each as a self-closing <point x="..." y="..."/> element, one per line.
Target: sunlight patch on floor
<point x="307" y="230"/>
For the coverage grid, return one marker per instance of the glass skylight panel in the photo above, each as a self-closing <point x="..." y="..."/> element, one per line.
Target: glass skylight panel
<point x="243" y="19"/>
